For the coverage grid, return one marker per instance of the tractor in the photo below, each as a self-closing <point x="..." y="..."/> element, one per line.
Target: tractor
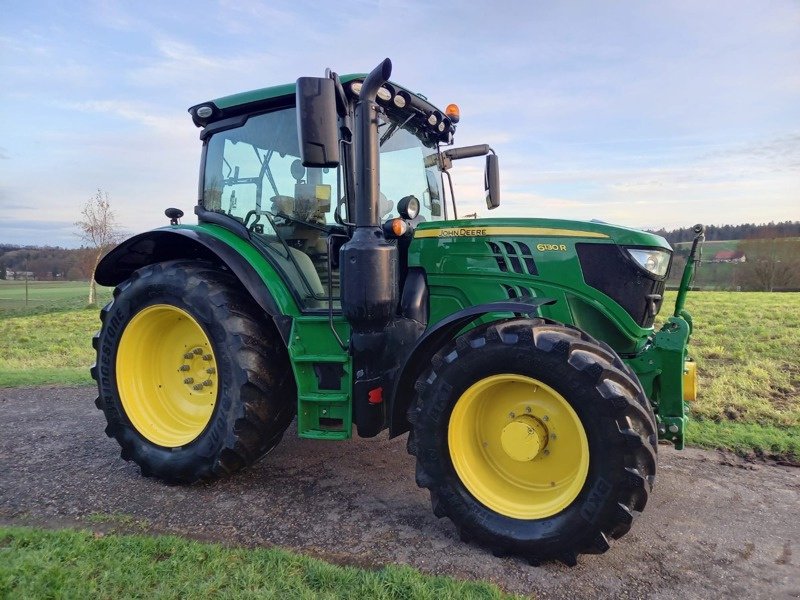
<point x="329" y="279"/>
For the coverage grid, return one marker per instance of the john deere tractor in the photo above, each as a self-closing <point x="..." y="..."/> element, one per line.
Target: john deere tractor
<point x="329" y="278"/>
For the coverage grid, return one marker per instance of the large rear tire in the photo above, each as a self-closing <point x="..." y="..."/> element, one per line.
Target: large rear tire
<point x="192" y="377"/>
<point x="534" y="439"/>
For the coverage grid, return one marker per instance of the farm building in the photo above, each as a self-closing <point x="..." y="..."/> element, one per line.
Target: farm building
<point x="729" y="256"/>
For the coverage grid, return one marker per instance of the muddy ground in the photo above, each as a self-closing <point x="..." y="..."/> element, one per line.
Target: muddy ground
<point x="715" y="526"/>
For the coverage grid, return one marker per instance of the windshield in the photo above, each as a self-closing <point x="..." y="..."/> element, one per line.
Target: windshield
<point x="403" y="172"/>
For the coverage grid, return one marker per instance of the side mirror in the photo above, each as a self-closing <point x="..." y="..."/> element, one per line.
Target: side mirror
<point x="317" y="122"/>
<point x="492" y="181"/>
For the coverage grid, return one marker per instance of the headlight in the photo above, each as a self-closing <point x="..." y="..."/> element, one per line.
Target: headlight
<point x="651" y="259"/>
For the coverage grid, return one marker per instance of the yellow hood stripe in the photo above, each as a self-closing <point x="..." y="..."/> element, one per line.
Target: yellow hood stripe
<point x="506" y="231"/>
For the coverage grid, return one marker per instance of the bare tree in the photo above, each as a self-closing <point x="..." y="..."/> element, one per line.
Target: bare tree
<point x="100" y="231"/>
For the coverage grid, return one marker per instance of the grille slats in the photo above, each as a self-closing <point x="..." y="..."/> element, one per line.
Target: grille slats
<point x="508" y="255"/>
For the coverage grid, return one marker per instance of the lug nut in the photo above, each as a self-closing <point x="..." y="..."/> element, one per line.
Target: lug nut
<point x="545" y="418"/>
<point x="188" y="380"/>
<point x="211" y="371"/>
<point x="206" y="356"/>
<point x="184" y="367"/>
<point x="197" y="386"/>
<point x="512" y="415"/>
<point x="198" y="350"/>
<point x="207" y="382"/>
<point x="673" y="428"/>
<point x="527" y="409"/>
<point x="188" y="355"/>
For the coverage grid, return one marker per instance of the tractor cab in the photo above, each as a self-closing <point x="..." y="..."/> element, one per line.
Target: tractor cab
<point x="253" y="177"/>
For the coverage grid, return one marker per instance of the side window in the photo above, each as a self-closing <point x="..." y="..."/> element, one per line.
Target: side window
<point x="254" y="175"/>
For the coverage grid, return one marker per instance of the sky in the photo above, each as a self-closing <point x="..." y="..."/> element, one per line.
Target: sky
<point x="645" y="114"/>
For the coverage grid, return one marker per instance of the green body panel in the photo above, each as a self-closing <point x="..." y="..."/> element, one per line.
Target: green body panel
<point x="464" y="270"/>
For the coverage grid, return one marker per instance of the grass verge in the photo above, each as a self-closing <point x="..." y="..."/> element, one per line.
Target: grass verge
<point x="80" y="564"/>
<point x="746" y="439"/>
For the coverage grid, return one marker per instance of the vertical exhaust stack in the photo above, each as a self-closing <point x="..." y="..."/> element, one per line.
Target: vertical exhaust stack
<point x="369" y="265"/>
<point x="369" y="268"/>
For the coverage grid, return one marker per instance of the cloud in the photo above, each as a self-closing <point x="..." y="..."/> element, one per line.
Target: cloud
<point x="4" y="154"/>
<point x="137" y="112"/>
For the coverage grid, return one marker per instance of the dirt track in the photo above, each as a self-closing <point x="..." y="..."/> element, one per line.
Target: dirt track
<point x="716" y="525"/>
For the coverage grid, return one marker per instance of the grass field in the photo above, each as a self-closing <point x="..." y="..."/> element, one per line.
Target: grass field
<point x="46" y="296"/>
<point x="747" y="346"/>
<point x="82" y="564"/>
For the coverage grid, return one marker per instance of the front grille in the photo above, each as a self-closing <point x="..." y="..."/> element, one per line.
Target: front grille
<point x="608" y="268"/>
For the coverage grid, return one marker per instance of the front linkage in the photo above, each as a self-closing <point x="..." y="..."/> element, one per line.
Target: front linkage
<point x="664" y="367"/>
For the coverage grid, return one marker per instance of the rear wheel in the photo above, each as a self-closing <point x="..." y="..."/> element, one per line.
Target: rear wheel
<point x="534" y="440"/>
<point x="192" y="377"/>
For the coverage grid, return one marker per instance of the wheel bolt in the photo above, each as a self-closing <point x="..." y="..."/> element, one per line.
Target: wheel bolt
<point x="188" y="355"/>
<point x="206" y="356"/>
<point x="211" y="371"/>
<point x="545" y="451"/>
<point x="512" y="415"/>
<point x="197" y="386"/>
<point x="198" y="350"/>
<point x="185" y="367"/>
<point x="552" y="436"/>
<point x="188" y="380"/>
<point x="545" y="418"/>
<point x="207" y="382"/>
<point x="527" y="409"/>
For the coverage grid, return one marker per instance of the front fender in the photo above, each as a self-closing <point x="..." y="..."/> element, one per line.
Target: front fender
<point x="433" y="340"/>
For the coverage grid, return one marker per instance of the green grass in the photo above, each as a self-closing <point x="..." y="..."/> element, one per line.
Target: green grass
<point x="46" y="296"/>
<point x="50" y="348"/>
<point x="747" y="347"/>
<point x="82" y="564"/>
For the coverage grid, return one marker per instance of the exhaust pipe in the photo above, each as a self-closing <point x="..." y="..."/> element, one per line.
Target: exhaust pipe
<point x="369" y="265"/>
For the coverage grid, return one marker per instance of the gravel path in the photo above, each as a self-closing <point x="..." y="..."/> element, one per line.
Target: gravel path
<point x="716" y="526"/>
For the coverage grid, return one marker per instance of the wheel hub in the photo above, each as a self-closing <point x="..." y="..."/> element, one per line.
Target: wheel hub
<point x="197" y="370"/>
<point x="523" y="438"/>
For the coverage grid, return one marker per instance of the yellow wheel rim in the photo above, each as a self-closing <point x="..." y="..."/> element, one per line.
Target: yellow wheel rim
<point x="518" y="446"/>
<point x="166" y="375"/>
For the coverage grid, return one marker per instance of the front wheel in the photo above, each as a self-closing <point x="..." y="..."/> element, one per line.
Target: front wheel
<point x="192" y="377"/>
<point x="534" y="439"/>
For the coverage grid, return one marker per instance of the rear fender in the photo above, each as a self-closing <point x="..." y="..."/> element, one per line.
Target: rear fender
<point x="433" y="340"/>
<point x="161" y="245"/>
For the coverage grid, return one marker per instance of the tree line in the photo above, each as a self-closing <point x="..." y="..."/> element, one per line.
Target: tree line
<point x="744" y="231"/>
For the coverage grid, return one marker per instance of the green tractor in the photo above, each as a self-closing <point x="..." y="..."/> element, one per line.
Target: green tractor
<point x="328" y="278"/>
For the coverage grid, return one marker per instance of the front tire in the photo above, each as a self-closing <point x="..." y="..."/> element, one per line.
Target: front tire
<point x="192" y="377"/>
<point x="534" y="439"/>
